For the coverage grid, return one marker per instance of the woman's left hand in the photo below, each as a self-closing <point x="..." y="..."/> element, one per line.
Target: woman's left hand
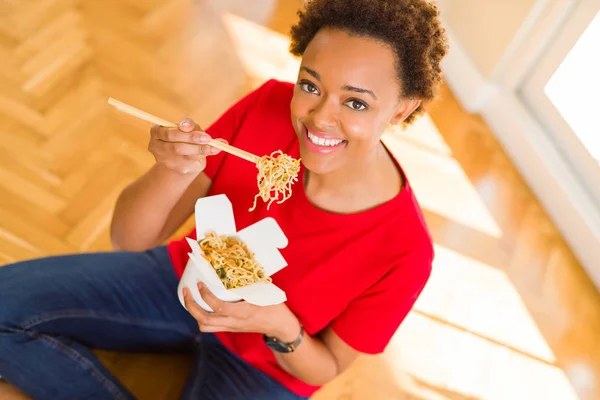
<point x="277" y="320"/>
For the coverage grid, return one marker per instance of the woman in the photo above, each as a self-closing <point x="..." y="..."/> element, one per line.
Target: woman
<point x="359" y="252"/>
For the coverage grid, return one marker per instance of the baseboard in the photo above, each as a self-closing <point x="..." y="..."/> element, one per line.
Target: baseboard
<point x="536" y="157"/>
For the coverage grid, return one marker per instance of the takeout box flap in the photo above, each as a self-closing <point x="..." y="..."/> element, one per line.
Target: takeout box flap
<point x="264" y="239"/>
<point x="214" y="213"/>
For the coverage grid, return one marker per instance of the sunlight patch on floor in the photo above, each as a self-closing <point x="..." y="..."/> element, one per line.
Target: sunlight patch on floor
<point x="438" y="180"/>
<point x="422" y="132"/>
<point x="263" y="52"/>
<point x="469" y="367"/>
<point x="482" y="300"/>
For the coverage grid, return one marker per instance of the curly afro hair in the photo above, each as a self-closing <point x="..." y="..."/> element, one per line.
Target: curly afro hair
<point x="410" y="27"/>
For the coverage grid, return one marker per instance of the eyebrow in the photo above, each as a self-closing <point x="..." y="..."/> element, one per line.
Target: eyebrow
<point x="350" y="88"/>
<point x="359" y="90"/>
<point x="312" y="72"/>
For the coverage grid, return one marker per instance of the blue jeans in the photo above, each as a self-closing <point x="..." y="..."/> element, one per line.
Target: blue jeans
<point x="53" y="310"/>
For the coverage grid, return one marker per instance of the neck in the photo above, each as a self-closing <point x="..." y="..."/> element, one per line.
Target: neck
<point x="356" y="187"/>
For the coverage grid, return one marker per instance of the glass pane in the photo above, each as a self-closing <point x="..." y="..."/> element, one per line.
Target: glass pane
<point x="575" y="86"/>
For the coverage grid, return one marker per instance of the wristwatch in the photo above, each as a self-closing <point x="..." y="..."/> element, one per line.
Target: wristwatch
<point x="283" y="347"/>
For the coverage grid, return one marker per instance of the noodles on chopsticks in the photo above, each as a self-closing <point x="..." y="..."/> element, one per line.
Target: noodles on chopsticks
<point x="231" y="259"/>
<point x="276" y="174"/>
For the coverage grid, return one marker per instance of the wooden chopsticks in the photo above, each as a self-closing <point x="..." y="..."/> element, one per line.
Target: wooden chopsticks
<point x="167" y="124"/>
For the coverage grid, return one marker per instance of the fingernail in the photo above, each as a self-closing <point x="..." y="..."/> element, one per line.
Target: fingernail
<point x="185" y="292"/>
<point x="185" y="124"/>
<point x="200" y="285"/>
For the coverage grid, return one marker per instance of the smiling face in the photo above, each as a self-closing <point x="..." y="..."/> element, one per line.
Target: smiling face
<point x="346" y="94"/>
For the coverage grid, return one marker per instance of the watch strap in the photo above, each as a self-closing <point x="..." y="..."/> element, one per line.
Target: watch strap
<point x="284" y="347"/>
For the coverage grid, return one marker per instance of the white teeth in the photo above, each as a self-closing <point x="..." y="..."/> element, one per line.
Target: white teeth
<point x="323" y="142"/>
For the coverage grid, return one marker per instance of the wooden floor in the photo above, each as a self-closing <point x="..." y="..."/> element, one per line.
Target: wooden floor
<point x="508" y="314"/>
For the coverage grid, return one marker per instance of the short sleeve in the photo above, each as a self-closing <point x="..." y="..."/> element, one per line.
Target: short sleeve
<point x="370" y="320"/>
<point x="229" y="123"/>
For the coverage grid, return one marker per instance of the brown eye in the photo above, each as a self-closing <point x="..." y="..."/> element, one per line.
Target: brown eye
<point x="308" y="87"/>
<point x="356" y="105"/>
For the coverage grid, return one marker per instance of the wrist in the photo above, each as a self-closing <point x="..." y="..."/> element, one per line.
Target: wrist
<point x="174" y="175"/>
<point x="287" y="331"/>
<point x="282" y="343"/>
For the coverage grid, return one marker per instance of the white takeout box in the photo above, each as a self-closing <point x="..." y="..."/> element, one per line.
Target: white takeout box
<point x="264" y="239"/>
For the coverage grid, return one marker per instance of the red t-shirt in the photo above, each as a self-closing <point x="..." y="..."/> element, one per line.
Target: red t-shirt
<point x="358" y="273"/>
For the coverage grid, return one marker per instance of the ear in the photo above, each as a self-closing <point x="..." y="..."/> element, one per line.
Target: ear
<point x="404" y="109"/>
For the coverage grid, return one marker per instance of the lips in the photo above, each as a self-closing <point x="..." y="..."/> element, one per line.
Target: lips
<point x="320" y="143"/>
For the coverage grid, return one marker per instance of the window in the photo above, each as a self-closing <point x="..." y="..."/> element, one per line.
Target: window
<point x="562" y="91"/>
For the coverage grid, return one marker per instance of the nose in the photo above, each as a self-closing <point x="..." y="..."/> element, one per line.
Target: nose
<point x="325" y="115"/>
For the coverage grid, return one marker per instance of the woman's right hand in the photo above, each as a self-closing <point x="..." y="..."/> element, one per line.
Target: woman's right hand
<point x="183" y="149"/>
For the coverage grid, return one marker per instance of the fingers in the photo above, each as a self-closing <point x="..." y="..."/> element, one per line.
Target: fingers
<point x="185" y="149"/>
<point x="208" y="322"/>
<point x="193" y="308"/>
<point x="210" y="328"/>
<point x="217" y="305"/>
<point x="174" y="135"/>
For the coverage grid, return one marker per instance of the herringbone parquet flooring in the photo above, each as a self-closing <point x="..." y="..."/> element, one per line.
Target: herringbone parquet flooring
<point x="508" y="314"/>
<point x="65" y="154"/>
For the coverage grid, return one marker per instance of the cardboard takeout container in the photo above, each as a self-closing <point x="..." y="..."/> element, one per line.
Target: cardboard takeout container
<point x="264" y="239"/>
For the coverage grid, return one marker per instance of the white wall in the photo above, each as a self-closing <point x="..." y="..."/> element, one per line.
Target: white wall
<point x="485" y="27"/>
